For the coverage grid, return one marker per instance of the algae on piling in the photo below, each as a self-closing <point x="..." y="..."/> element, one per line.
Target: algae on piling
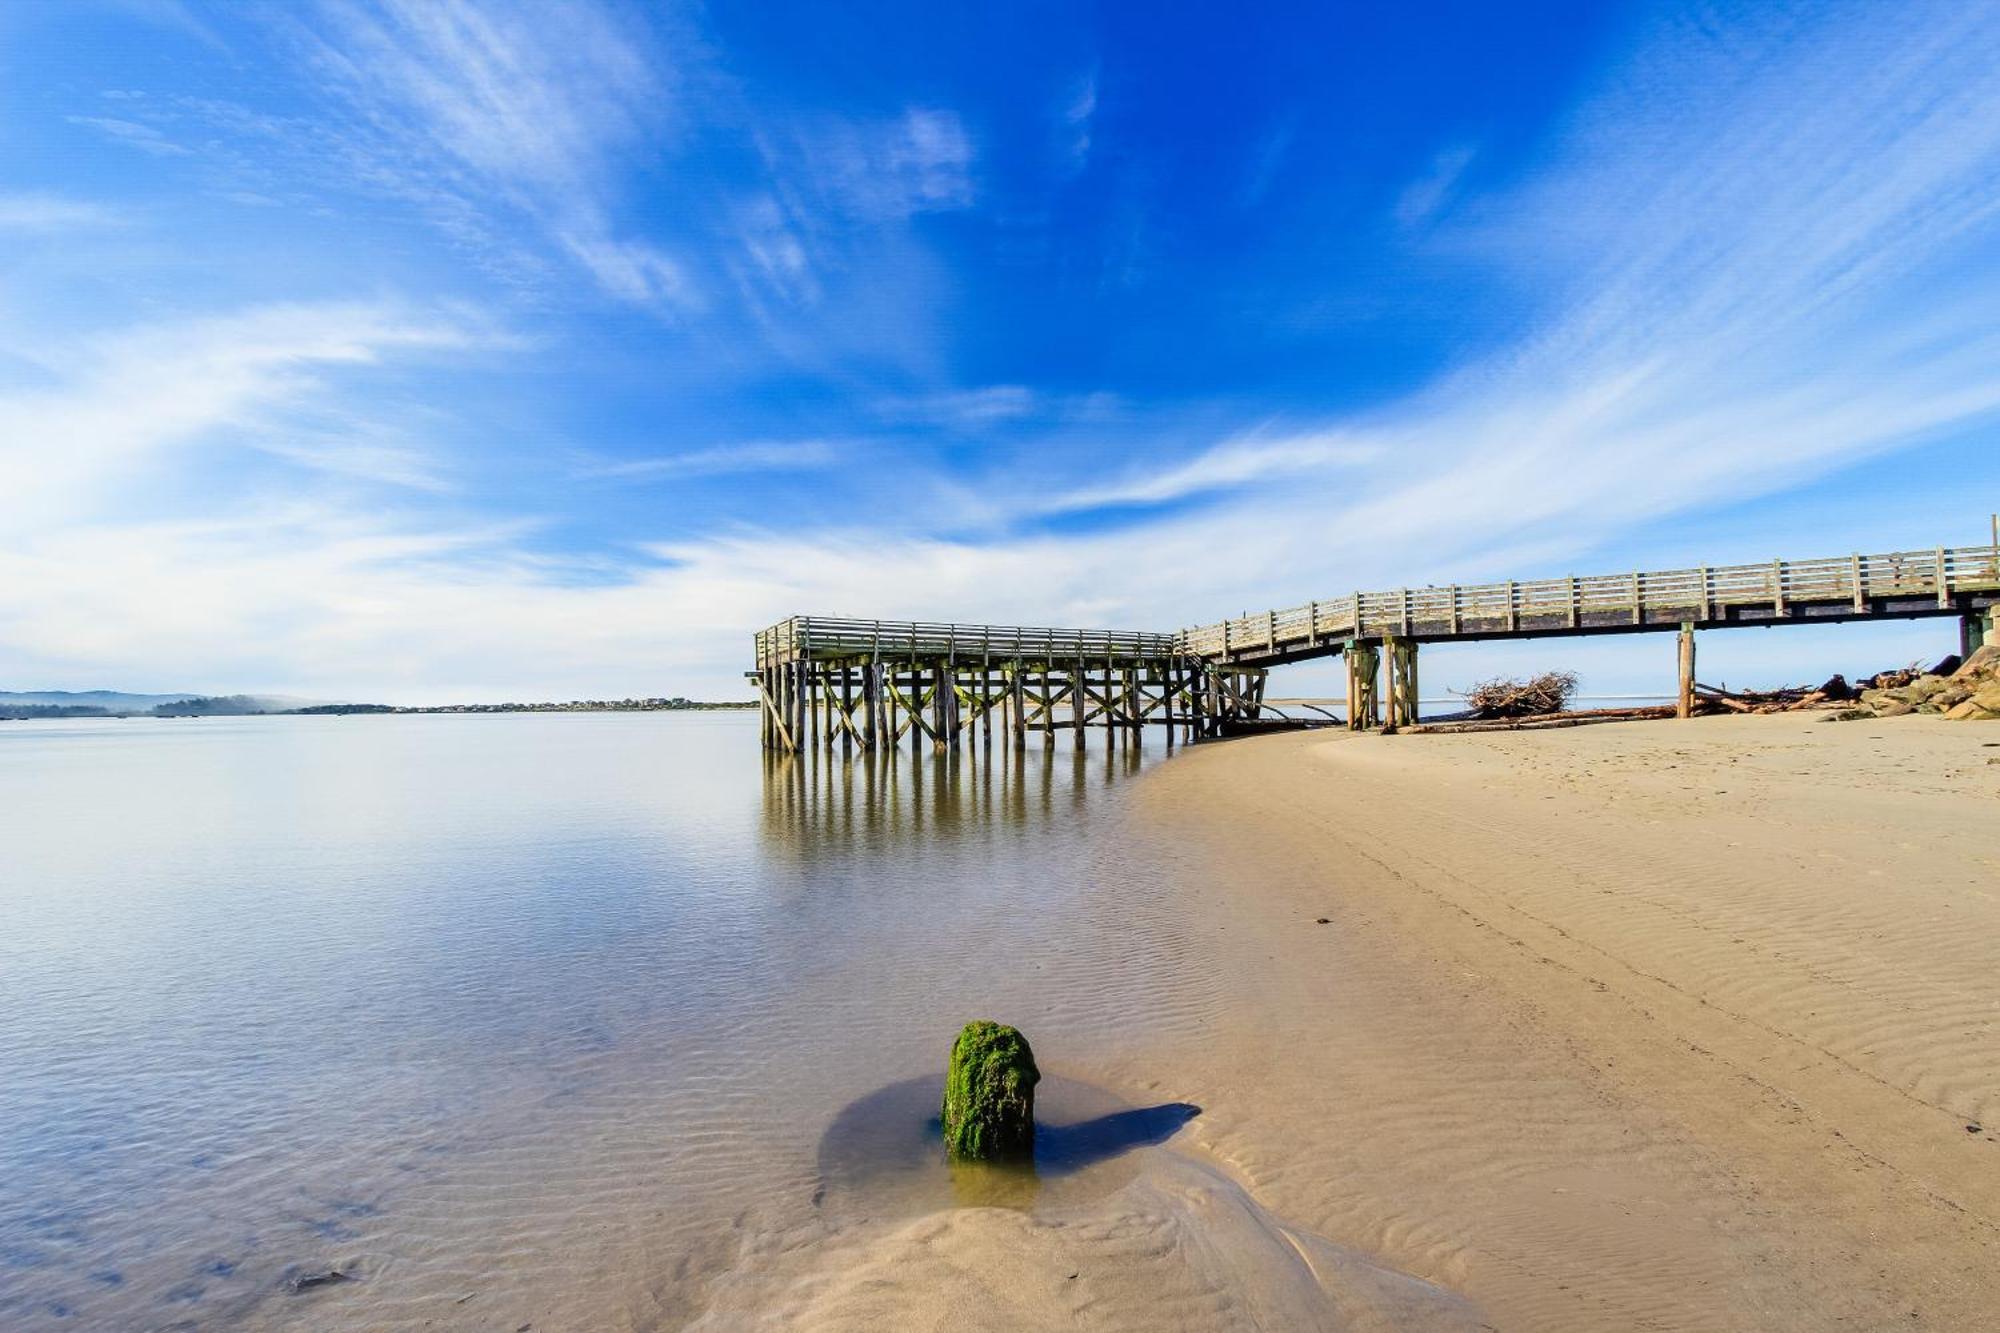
<point x="989" y="1094"/>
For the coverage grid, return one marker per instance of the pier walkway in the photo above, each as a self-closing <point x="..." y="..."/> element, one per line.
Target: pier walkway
<point x="873" y="682"/>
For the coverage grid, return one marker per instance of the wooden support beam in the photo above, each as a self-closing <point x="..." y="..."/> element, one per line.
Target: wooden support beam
<point x="1402" y="694"/>
<point x="1684" y="707"/>
<point x="773" y="697"/>
<point x="1076" y="691"/>
<point x="1364" y="666"/>
<point x="1019" y="700"/>
<point x="986" y="700"/>
<point x="942" y="699"/>
<point x="871" y="704"/>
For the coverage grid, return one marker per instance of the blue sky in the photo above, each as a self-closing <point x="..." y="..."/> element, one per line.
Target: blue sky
<point x="429" y="351"/>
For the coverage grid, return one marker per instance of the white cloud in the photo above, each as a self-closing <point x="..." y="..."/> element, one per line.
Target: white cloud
<point x="966" y="408"/>
<point x="633" y="271"/>
<point x="1077" y="113"/>
<point x="466" y="107"/>
<point x="1424" y="197"/>
<point x="145" y="138"/>
<point x="1239" y="462"/>
<point x="777" y="250"/>
<point x="49" y="212"/>
<point x="723" y="460"/>
<point x="106" y="408"/>
<point x="919" y="162"/>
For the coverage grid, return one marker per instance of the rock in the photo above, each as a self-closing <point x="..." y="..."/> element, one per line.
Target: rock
<point x="1923" y="689"/>
<point x="1855" y="715"/>
<point x="322" y="1277"/>
<point x="989" y="1094"/>
<point x="1988" y="696"/>
<point x="1983" y="662"/>
<point x="1892" y="707"/>
<point x="1970" y="711"/>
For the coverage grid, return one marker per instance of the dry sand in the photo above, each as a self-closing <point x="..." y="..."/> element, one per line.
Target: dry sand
<point x="1657" y="1025"/>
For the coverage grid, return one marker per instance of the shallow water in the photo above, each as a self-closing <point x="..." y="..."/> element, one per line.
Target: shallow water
<point x="522" y="1018"/>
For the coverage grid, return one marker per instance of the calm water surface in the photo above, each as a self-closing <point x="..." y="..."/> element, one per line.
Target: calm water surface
<point x="511" y="1019"/>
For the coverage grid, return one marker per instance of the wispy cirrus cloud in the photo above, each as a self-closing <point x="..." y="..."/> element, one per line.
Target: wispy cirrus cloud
<point x="105" y="410"/>
<point x="1252" y="459"/>
<point x="1076" y="116"/>
<point x="135" y="134"/>
<point x="997" y="404"/>
<point x="721" y="460"/>
<point x="1423" y="198"/>
<point x="51" y="212"/>
<point x="523" y="107"/>
<point x="884" y="170"/>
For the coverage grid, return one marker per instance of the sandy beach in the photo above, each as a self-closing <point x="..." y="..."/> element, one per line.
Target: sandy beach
<point x="1674" y="1026"/>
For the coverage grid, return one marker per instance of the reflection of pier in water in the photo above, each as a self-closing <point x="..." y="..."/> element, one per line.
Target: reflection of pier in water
<point x="825" y="797"/>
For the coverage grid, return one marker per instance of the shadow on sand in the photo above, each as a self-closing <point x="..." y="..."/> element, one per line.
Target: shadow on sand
<point x="884" y="1153"/>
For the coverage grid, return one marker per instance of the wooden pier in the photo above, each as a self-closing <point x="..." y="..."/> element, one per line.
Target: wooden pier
<point x="871" y="683"/>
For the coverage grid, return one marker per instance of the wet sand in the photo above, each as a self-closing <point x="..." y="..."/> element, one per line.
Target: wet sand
<point x="1654" y="1025"/>
<point x="1671" y="1026"/>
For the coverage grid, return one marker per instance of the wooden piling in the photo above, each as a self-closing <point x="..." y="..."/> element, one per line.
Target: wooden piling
<point x="1684" y="705"/>
<point x="1077" y="690"/>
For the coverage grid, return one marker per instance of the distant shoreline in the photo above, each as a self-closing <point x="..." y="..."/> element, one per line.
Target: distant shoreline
<point x="223" y="708"/>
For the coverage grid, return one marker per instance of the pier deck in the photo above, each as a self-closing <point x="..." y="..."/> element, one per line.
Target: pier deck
<point x="824" y="680"/>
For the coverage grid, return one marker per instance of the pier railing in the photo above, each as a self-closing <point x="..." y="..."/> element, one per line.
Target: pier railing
<point x="1772" y="590"/>
<point x="826" y="638"/>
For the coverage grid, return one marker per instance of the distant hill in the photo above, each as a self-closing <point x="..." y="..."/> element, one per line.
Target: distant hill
<point x="22" y="704"/>
<point x="111" y="701"/>
<point x="25" y="705"/>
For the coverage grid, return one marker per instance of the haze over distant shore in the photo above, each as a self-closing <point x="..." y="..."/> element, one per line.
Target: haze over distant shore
<point x="16" y="706"/>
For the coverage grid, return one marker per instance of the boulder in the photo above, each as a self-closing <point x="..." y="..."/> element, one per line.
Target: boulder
<point x="1923" y="689"/>
<point x="1890" y="706"/>
<point x="1969" y="711"/>
<point x="989" y="1094"/>
<point x="1982" y="662"/>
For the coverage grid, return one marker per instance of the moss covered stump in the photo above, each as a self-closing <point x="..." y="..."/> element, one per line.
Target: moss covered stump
<point x="989" y="1094"/>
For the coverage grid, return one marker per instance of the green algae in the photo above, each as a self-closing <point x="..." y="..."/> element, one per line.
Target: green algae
<point x="989" y="1094"/>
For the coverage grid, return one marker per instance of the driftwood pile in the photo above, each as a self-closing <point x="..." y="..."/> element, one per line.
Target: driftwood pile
<point x="1961" y="691"/>
<point x="1968" y="690"/>
<point x="1787" y="699"/>
<point x="1498" y="698"/>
